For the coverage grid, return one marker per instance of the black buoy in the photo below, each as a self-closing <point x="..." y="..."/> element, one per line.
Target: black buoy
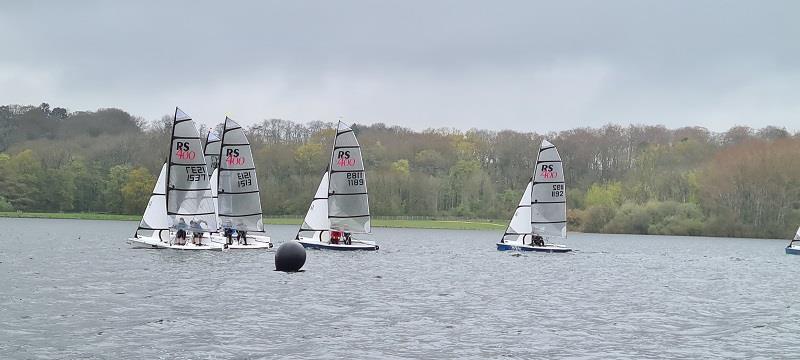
<point x="290" y="256"/>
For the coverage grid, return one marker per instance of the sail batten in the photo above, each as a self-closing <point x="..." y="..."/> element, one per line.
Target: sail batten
<point x="238" y="194"/>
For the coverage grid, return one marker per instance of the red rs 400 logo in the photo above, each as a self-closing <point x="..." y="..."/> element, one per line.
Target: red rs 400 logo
<point x="182" y="151"/>
<point x="548" y="172"/>
<point x="344" y="159"/>
<point x="232" y="157"/>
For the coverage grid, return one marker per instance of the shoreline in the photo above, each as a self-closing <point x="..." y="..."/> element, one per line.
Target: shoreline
<point x="387" y="223"/>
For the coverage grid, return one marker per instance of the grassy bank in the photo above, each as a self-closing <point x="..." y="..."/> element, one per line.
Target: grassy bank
<point x="76" y="216"/>
<point x="390" y="223"/>
<point x="415" y="224"/>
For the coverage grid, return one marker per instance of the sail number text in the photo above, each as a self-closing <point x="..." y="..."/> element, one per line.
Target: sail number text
<point x="196" y="173"/>
<point x="558" y="190"/>
<point x="355" y="178"/>
<point x="245" y="179"/>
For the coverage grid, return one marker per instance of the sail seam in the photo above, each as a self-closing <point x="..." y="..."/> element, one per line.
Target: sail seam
<point x="341" y="171"/>
<point x="347" y="216"/>
<point x="221" y="192"/>
<point x="242" y="215"/>
<point x="548" y="222"/>
<point x="188" y="214"/>
<point x="359" y="193"/>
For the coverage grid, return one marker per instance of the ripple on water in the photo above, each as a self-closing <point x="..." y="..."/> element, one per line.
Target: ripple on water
<point x="82" y="292"/>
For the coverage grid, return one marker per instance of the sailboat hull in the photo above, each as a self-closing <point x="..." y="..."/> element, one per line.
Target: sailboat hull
<point x="253" y="242"/>
<point x="156" y="243"/>
<point x="550" y="248"/>
<point x="355" y="245"/>
<point x="791" y="250"/>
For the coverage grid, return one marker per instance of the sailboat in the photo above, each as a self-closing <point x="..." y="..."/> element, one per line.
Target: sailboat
<point x="542" y="211"/>
<point x="341" y="203"/>
<point x="791" y="248"/>
<point x="182" y="194"/>
<point x="211" y="150"/>
<point x="235" y="190"/>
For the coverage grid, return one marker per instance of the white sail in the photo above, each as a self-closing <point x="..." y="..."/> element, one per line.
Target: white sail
<point x="239" y="199"/>
<point x="155" y="215"/>
<point x="520" y="225"/>
<point x="548" y="194"/>
<point x="348" y="203"/>
<point x="316" y="223"/>
<point x="188" y="182"/>
<point x="797" y="235"/>
<point x="211" y="150"/>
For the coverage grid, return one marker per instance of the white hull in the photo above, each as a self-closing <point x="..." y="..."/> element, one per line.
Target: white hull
<point x="159" y="244"/>
<point x="548" y="247"/>
<point x="354" y="245"/>
<point x="253" y="242"/>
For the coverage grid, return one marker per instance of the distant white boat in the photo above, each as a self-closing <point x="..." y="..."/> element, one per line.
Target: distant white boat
<point x="235" y="190"/>
<point x="792" y="248"/>
<point x="341" y="203"/>
<point x="182" y="194"/>
<point x="542" y="211"/>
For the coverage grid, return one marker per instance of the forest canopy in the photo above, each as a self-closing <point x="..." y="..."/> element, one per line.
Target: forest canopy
<point x="638" y="179"/>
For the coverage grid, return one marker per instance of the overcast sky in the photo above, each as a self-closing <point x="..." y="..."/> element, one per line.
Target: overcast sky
<point x="524" y="65"/>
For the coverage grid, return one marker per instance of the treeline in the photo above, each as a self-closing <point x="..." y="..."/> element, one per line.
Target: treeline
<point x="633" y="179"/>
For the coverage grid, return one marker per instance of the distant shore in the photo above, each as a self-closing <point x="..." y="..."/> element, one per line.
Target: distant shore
<point x="377" y="222"/>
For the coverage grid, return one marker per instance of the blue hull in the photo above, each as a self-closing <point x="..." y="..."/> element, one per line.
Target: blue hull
<point x="792" y="251"/>
<point x="506" y="247"/>
<point x="322" y="246"/>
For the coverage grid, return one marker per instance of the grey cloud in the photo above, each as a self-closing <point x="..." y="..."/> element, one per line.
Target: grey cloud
<point x="510" y="64"/>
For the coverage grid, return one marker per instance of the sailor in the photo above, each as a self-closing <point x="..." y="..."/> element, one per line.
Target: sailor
<point x="347" y="239"/>
<point x="227" y="230"/>
<point x="538" y="240"/>
<point x="197" y="231"/>
<point x="335" y="236"/>
<point x="241" y="235"/>
<point x="180" y="235"/>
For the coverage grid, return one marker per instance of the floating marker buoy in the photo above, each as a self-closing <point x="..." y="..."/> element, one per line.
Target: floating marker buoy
<point x="290" y="256"/>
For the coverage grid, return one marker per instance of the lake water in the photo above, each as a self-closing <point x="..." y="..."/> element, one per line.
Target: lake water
<point x="75" y="289"/>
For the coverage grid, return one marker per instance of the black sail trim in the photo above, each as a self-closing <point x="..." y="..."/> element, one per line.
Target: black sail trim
<point x="342" y="171"/>
<point x="242" y="215"/>
<point x="549" y="202"/>
<point x="178" y="189"/>
<point x="237" y="193"/>
<point x="242" y="169"/>
<point x="347" y="216"/>
<point x="548" y="222"/>
<point x="359" y="193"/>
<point x="187" y="214"/>
<point x="546" y="148"/>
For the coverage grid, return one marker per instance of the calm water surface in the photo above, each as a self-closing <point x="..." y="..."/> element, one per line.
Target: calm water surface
<point x="75" y="289"/>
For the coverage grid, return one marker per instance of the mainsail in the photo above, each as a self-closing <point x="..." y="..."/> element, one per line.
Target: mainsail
<point x="188" y="182"/>
<point x="238" y="197"/>
<point x="548" y="194"/>
<point x="520" y="225"/>
<point x="348" y="203"/>
<point x="316" y="222"/>
<point x="155" y="215"/>
<point x="211" y="150"/>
